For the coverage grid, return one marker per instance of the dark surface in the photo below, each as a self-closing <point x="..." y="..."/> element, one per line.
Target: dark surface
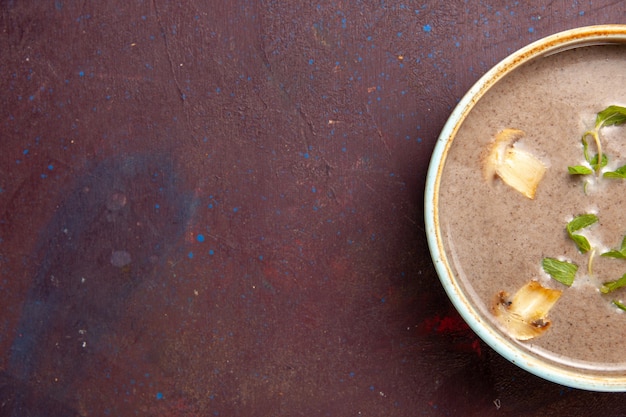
<point x="216" y="208"/>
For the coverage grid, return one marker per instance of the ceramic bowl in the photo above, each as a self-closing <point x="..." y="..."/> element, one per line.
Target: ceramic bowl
<point x="552" y="90"/>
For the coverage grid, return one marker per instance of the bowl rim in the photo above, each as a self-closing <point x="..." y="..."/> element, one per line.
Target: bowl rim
<point x="558" y="42"/>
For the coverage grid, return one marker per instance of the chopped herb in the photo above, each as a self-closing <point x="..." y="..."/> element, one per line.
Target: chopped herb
<point x="585" y="148"/>
<point x="617" y="253"/>
<point x="562" y="271"/>
<point x="580" y="222"/>
<point x="579" y="170"/>
<point x="611" y="116"/>
<point x="618" y="173"/>
<point x="594" y="161"/>
<point x="611" y="286"/>
<point x="619" y="304"/>
<point x="581" y="242"/>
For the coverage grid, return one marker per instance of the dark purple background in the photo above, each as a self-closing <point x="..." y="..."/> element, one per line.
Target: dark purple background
<point x="215" y="208"/>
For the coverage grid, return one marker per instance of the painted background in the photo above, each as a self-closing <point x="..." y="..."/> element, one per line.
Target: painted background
<point x="215" y="208"/>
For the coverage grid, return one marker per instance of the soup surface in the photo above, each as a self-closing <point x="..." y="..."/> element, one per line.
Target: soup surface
<point x="495" y="238"/>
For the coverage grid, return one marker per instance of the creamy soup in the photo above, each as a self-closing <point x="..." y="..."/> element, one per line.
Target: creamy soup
<point x="496" y="238"/>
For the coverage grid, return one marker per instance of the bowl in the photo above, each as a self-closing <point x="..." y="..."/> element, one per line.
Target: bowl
<point x="491" y="239"/>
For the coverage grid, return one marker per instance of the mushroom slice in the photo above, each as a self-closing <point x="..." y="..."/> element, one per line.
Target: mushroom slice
<point x="525" y="315"/>
<point x="518" y="168"/>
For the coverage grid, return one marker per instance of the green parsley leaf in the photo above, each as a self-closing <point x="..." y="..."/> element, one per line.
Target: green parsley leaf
<point x="619" y="304"/>
<point x="611" y="286"/>
<point x="581" y="242"/>
<point x="586" y="148"/>
<point x="618" y="173"/>
<point x="611" y="116"/>
<point x="580" y="222"/>
<point x="579" y="170"/>
<point x="614" y="254"/>
<point x="562" y="271"/>
<point x="617" y="253"/>
<point x="594" y="161"/>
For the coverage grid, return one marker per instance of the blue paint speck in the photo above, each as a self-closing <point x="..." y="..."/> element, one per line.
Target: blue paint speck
<point x="190" y="255"/>
<point x="211" y="252"/>
<point x="581" y="13"/>
<point x="311" y="61"/>
<point x="531" y="29"/>
<point x="313" y="189"/>
<point x="159" y="395"/>
<point x="235" y="209"/>
<point x="306" y="155"/>
<point x="81" y="74"/>
<point x="157" y="206"/>
<point x="200" y="238"/>
<point x="427" y="28"/>
<point x="50" y="167"/>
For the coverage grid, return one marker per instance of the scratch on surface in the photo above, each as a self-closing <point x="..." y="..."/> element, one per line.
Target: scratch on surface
<point x="308" y="123"/>
<point x="380" y="133"/>
<point x="172" y="66"/>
